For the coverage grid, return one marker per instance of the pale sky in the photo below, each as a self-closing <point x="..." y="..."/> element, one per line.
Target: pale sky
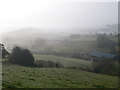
<point x="15" y="14"/>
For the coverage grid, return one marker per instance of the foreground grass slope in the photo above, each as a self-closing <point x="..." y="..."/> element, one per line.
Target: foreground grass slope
<point x="15" y="76"/>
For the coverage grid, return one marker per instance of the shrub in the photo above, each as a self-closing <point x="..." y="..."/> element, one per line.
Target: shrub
<point x="108" y="67"/>
<point x="80" y="68"/>
<point x="42" y="63"/>
<point x="21" y="56"/>
<point x="59" y="65"/>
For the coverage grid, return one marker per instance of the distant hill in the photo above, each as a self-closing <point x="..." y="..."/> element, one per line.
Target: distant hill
<point x="27" y="36"/>
<point x="52" y="33"/>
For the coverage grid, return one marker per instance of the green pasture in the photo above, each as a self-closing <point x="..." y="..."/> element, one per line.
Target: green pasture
<point x="67" y="62"/>
<point x="16" y="76"/>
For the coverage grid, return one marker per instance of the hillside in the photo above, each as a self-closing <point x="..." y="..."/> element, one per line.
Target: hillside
<point x="15" y="76"/>
<point x="56" y="40"/>
<point x="67" y="62"/>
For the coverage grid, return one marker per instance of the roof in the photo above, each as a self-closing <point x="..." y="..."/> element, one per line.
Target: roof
<point x="101" y="54"/>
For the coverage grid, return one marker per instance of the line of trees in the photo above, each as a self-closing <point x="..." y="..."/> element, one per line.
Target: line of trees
<point x="103" y="41"/>
<point x="42" y="63"/>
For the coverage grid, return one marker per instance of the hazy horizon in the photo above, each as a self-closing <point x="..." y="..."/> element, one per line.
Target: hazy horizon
<point x="57" y="14"/>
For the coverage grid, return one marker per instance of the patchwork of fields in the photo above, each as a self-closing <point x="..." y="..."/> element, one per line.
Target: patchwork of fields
<point x="16" y="76"/>
<point x="82" y="45"/>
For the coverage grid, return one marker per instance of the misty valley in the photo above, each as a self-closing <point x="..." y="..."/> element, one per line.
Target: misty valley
<point x="59" y="44"/>
<point x="38" y="59"/>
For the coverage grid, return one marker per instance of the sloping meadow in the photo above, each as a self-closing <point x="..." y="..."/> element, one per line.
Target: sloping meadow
<point x="16" y="76"/>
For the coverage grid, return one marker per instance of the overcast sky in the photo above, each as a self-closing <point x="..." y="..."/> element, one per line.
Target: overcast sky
<point x="16" y="14"/>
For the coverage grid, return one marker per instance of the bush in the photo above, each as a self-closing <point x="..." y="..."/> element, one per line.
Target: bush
<point x="21" y="56"/>
<point x="80" y="68"/>
<point x="108" y="67"/>
<point x="59" y="65"/>
<point x="42" y="63"/>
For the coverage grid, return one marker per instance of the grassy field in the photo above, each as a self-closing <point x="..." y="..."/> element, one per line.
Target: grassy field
<point x="82" y="44"/>
<point x="67" y="62"/>
<point x="15" y="76"/>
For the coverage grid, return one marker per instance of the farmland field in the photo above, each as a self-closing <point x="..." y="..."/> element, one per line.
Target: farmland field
<point x="59" y="44"/>
<point x="67" y="62"/>
<point x="16" y="76"/>
<point x="82" y="44"/>
<point x="67" y="45"/>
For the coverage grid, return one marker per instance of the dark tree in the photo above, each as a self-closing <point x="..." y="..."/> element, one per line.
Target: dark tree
<point x="3" y="51"/>
<point x="21" y="56"/>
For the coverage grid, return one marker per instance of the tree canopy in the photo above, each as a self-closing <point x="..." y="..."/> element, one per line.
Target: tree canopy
<point x="21" y="56"/>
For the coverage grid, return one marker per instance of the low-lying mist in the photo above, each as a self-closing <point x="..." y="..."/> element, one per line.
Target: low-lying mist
<point x="41" y="38"/>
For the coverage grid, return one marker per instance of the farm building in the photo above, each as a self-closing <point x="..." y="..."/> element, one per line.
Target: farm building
<point x="99" y="54"/>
